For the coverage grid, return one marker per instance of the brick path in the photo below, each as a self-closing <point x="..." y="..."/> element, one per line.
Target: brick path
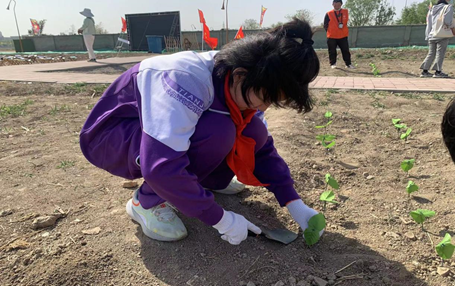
<point x="36" y="73"/>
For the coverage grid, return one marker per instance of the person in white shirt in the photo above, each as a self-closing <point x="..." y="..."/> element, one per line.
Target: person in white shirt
<point x="88" y="31"/>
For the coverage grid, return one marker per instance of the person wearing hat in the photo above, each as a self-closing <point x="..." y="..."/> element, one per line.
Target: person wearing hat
<point x="336" y="25"/>
<point x="88" y="32"/>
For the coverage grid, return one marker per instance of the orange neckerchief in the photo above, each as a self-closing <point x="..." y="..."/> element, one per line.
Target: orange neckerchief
<point x="241" y="158"/>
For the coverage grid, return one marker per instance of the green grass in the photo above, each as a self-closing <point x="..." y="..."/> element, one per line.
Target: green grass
<point x="377" y="104"/>
<point x="82" y="87"/>
<point x="408" y="95"/>
<point x="65" y="164"/>
<point x="14" y="110"/>
<point x="438" y="97"/>
<point x="56" y="109"/>
<point x="76" y="87"/>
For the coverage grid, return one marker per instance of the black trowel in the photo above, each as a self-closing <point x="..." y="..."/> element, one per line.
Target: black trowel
<point x="281" y="235"/>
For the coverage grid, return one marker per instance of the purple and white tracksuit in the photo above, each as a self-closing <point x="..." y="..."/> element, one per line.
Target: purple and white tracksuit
<point x="170" y="112"/>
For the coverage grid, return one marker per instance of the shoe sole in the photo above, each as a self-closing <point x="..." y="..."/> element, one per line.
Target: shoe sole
<point x="137" y="218"/>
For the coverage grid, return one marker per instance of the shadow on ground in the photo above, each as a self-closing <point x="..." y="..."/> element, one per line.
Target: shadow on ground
<point x="99" y="68"/>
<point x="406" y="74"/>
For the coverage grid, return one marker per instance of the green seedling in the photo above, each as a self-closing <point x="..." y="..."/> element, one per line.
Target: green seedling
<point x="405" y="136"/>
<point x="327" y="140"/>
<point x="375" y="70"/>
<point x="401" y="126"/>
<point x="328" y="197"/>
<point x="331" y="182"/>
<point x="398" y="125"/>
<point x="407" y="165"/>
<point x="411" y="188"/>
<point x="445" y="248"/>
<point x="315" y="225"/>
<point x="421" y="215"/>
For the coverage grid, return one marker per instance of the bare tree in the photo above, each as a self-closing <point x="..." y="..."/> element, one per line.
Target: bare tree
<point x="302" y="14"/>
<point x="41" y="24"/>
<point x="385" y="14"/>
<point x="99" y="29"/>
<point x="72" y="30"/>
<point x="251" y="24"/>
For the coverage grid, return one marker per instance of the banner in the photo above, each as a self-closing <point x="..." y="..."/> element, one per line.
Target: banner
<point x="201" y="17"/>
<point x="239" y="34"/>
<point x="212" y="42"/>
<point x="123" y="25"/>
<point x="263" y="9"/>
<point x="35" y="27"/>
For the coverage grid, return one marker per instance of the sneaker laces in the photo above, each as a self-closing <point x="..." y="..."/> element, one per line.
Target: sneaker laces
<point x="164" y="212"/>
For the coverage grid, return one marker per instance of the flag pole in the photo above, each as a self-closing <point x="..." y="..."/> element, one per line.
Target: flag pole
<point x="202" y="29"/>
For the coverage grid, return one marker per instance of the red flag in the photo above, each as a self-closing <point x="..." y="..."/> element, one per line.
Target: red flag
<point x="35" y="26"/>
<point x="263" y="9"/>
<point x="212" y="42"/>
<point x="239" y="34"/>
<point x="201" y="17"/>
<point x="123" y="25"/>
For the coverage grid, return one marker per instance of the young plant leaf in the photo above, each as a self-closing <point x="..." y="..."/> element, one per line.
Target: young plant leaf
<point x="411" y="187"/>
<point x="315" y="225"/>
<point x="406" y="135"/>
<point x="395" y="120"/>
<point x="421" y="215"/>
<point x="328" y="146"/>
<point x="407" y="165"/>
<point x="320" y="126"/>
<point x="328" y="123"/>
<point x="329" y="137"/>
<point x="445" y="249"/>
<point x="328" y="114"/>
<point x="400" y="126"/>
<point x="331" y="181"/>
<point x="329" y="197"/>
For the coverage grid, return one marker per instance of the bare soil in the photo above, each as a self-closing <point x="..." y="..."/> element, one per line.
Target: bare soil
<point x="394" y="62"/>
<point x="42" y="172"/>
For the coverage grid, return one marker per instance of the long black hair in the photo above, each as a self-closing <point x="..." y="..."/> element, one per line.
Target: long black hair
<point x="278" y="62"/>
<point x="448" y="128"/>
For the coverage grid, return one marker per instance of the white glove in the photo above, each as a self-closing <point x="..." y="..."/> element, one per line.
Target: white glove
<point x="234" y="227"/>
<point x="302" y="213"/>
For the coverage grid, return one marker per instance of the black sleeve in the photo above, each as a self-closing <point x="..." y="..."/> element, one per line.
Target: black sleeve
<point x="326" y="21"/>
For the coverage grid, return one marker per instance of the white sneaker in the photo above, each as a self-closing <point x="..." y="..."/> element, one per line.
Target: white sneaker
<point x="234" y="187"/>
<point x="350" y="67"/>
<point x="333" y="66"/>
<point x="160" y="222"/>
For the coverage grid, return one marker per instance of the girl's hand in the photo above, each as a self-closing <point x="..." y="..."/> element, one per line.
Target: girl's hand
<point x="234" y="227"/>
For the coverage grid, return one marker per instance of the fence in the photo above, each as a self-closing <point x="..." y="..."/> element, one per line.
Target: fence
<point x="359" y="37"/>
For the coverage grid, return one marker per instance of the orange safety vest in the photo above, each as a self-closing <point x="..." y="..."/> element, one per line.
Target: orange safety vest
<point x="336" y="18"/>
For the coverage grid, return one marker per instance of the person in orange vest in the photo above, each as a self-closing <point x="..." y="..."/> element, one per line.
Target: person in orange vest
<point x="336" y="25"/>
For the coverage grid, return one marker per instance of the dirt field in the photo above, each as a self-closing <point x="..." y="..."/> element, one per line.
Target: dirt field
<point x="43" y="172"/>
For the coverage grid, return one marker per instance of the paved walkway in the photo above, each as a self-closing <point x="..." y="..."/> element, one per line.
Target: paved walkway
<point x="37" y="73"/>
